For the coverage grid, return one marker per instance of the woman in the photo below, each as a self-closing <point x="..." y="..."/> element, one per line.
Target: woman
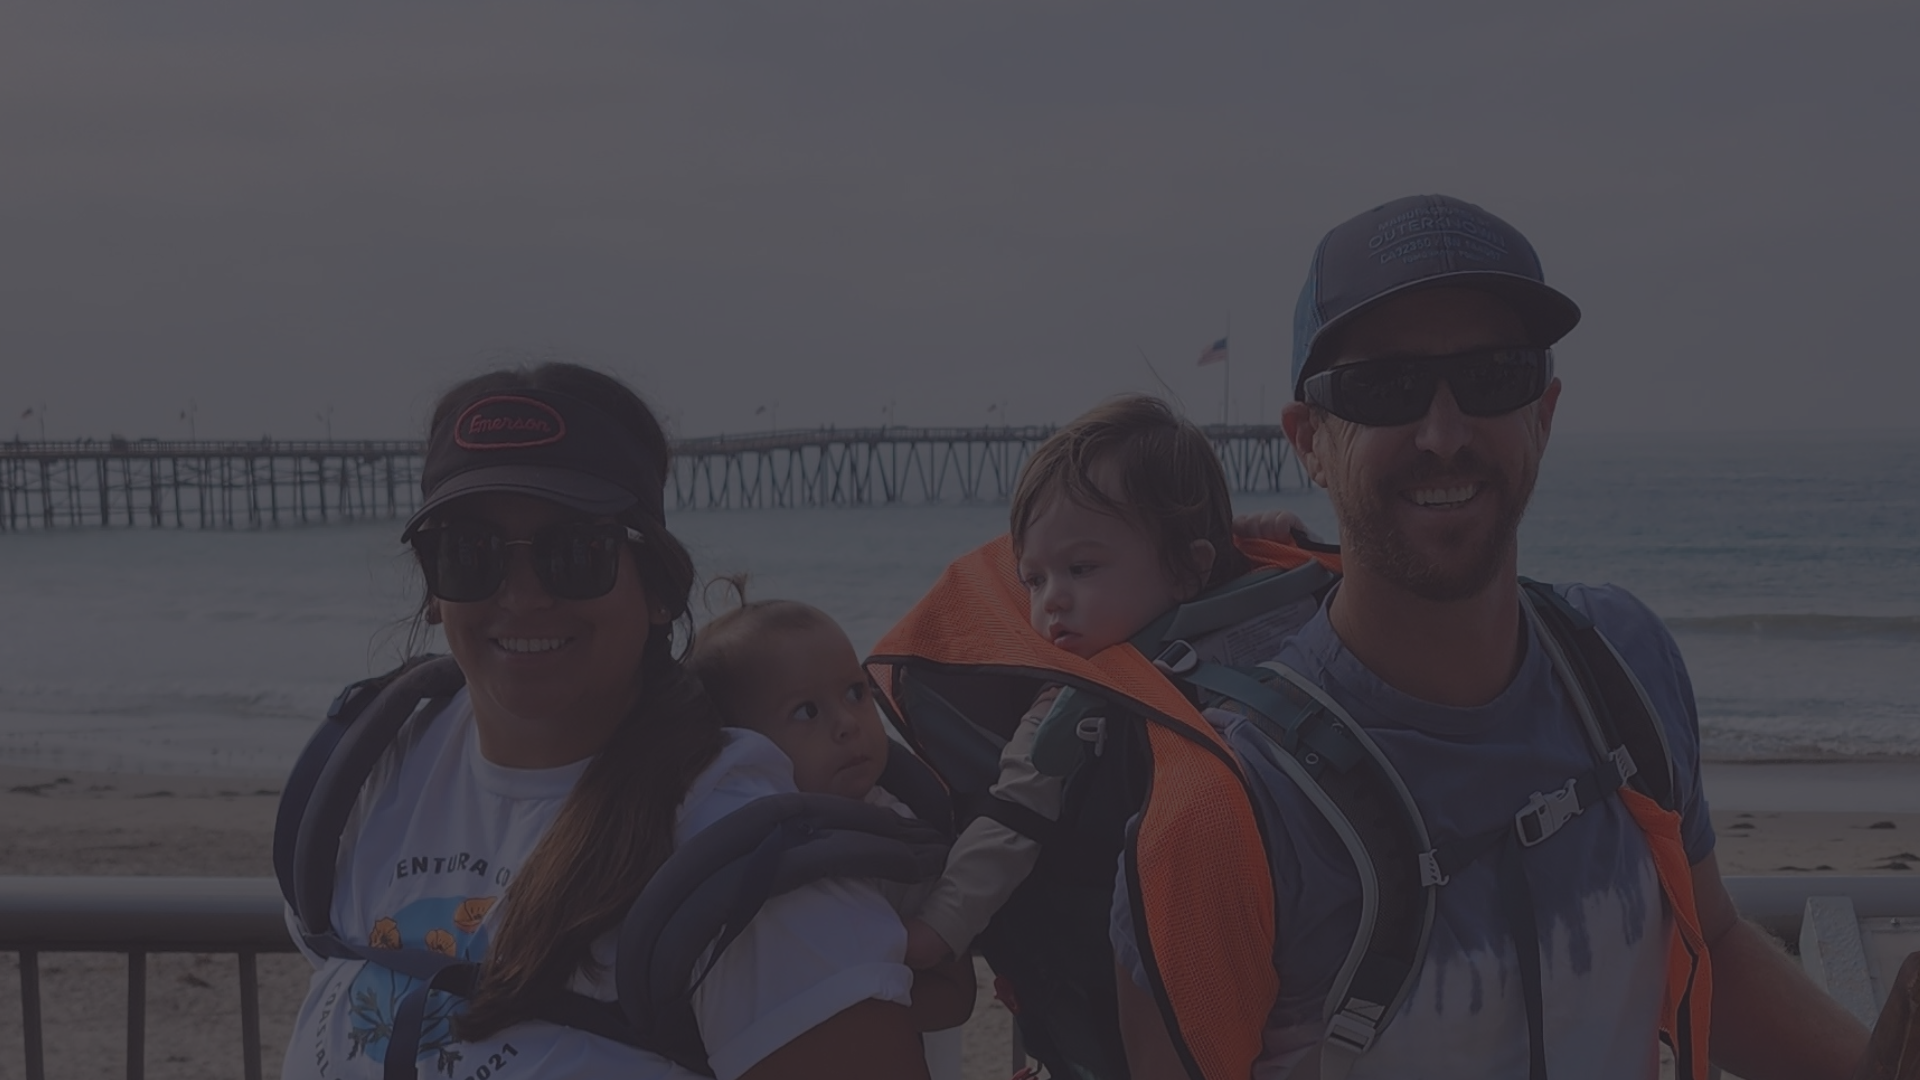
<point x="518" y="825"/>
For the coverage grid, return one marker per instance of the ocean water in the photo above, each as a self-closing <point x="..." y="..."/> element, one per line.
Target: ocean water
<point x="1788" y="568"/>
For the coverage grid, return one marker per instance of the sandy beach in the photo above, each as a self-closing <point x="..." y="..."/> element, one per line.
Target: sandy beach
<point x="1842" y="818"/>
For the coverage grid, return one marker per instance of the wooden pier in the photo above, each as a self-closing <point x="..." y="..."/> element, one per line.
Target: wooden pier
<point x="149" y="483"/>
<point x="205" y="485"/>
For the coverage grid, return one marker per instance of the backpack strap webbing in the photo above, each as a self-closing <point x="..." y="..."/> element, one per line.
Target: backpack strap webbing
<point x="1624" y="716"/>
<point x="707" y="891"/>
<point x="326" y="779"/>
<point x="1027" y="823"/>
<point x="1621" y="713"/>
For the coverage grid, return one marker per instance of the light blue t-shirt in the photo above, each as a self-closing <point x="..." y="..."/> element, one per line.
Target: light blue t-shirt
<point x="1601" y="918"/>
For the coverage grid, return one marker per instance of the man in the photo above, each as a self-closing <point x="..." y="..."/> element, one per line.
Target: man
<point x="1423" y="400"/>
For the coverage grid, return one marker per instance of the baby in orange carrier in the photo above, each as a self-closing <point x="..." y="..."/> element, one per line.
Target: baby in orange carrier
<point x="1119" y="516"/>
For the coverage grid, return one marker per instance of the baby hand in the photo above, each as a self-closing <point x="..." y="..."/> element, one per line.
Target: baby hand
<point x="925" y="947"/>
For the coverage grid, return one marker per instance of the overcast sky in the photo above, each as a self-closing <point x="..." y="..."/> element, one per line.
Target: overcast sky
<point x="825" y="208"/>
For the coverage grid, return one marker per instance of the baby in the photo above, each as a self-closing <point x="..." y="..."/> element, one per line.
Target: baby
<point x="786" y="670"/>
<point x="1119" y="516"/>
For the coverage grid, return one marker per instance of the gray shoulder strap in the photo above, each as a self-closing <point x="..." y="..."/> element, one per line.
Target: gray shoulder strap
<point x="707" y="891"/>
<point x="1370" y="809"/>
<point x="1248" y="598"/>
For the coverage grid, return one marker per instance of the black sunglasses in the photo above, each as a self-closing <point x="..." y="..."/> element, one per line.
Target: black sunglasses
<point x="466" y="561"/>
<point x="1399" y="390"/>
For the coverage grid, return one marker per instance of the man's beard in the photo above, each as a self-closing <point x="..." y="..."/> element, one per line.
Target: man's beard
<point x="1369" y="537"/>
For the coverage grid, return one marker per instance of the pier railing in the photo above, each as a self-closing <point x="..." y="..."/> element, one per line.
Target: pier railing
<point x="141" y="915"/>
<point x="240" y="485"/>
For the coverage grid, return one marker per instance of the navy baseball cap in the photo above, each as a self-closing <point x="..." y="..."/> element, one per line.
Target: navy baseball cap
<point x="1420" y="242"/>
<point x="544" y="444"/>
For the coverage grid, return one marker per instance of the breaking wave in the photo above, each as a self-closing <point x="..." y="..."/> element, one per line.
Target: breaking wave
<point x="1817" y="627"/>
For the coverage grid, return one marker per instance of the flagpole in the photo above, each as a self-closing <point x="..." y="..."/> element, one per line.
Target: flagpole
<point x="1226" y="374"/>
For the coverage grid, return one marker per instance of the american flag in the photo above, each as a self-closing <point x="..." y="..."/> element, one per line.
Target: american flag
<point x="1215" y="354"/>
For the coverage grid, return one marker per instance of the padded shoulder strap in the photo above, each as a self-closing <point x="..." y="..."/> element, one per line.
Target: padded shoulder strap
<point x="1244" y="598"/>
<point x="710" y="888"/>
<point x="341" y="714"/>
<point x="326" y="781"/>
<point x="1296" y="729"/>
<point x="1620" y="708"/>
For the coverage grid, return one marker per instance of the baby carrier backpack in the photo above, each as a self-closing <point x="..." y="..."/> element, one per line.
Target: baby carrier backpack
<point x="699" y="900"/>
<point x="1146" y="783"/>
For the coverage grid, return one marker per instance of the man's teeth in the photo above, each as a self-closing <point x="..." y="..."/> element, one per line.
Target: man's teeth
<point x="530" y="644"/>
<point x="1446" y="496"/>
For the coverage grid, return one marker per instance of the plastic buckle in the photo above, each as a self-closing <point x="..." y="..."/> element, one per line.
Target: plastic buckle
<point x="1430" y="870"/>
<point x="1623" y="762"/>
<point x="1093" y="729"/>
<point x="1178" y="658"/>
<point x="1545" y="813"/>
<point x="1352" y="1028"/>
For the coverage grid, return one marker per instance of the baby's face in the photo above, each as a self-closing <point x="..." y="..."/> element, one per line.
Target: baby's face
<point x="1093" y="579"/>
<point x="814" y="702"/>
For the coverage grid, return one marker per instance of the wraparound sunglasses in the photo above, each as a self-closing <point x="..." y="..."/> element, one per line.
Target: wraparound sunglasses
<point x="1399" y="390"/>
<point x="466" y="561"/>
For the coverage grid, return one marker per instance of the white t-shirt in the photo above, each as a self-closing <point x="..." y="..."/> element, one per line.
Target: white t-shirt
<point x="436" y="837"/>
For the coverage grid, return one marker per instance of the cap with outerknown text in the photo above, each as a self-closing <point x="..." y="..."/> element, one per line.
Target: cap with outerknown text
<point x="543" y="444"/>
<point x="1420" y="242"/>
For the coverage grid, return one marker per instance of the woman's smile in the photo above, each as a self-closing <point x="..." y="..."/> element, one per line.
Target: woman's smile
<point x="532" y="645"/>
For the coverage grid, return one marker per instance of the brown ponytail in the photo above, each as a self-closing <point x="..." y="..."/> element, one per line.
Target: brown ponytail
<point x="617" y="825"/>
<point x="613" y="833"/>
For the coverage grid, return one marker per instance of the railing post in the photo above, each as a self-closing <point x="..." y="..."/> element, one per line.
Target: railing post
<point x="136" y="1015"/>
<point x="250" y="1015"/>
<point x="30" y="1014"/>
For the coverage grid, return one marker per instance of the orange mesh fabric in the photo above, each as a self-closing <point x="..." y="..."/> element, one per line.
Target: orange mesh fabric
<point x="1206" y="901"/>
<point x="1206" y="895"/>
<point x="1686" y="1008"/>
<point x="976" y="616"/>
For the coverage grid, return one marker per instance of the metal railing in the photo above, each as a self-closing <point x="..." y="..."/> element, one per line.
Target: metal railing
<point x="138" y="916"/>
<point x="141" y="915"/>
